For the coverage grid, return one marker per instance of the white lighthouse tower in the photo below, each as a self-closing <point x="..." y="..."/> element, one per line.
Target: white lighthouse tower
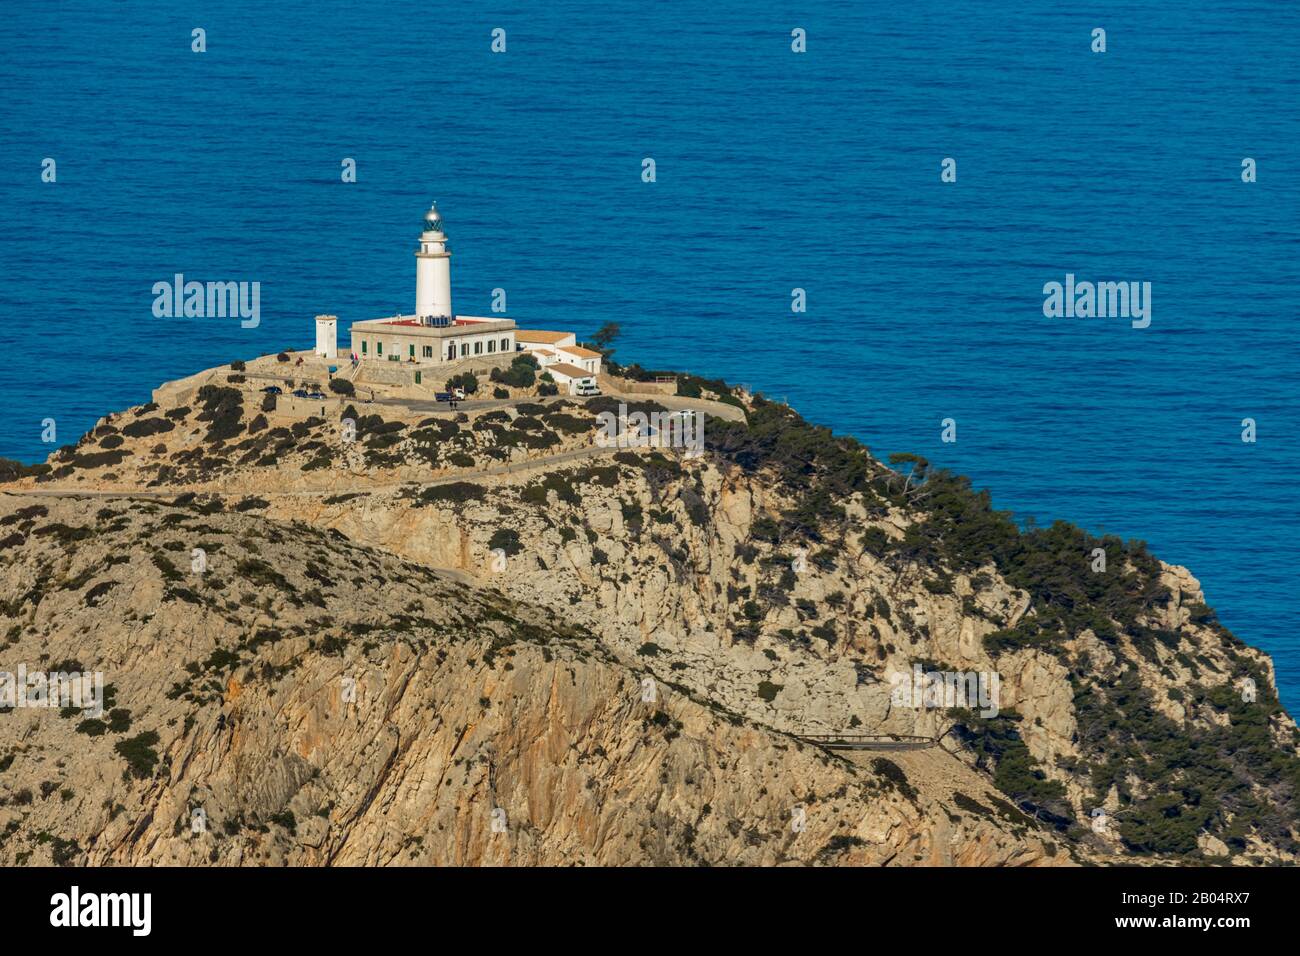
<point x="433" y="272"/>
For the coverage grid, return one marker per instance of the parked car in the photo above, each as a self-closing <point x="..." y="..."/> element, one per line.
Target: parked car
<point x="300" y="393"/>
<point x="586" y="388"/>
<point x="273" y="390"/>
<point x="316" y="394"/>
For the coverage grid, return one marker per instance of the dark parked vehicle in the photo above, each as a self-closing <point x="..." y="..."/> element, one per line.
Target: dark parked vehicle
<point x="443" y="396"/>
<point x="273" y="390"/>
<point x="300" y="393"/>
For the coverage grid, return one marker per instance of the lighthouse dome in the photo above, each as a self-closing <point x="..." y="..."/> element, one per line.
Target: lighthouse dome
<point x="433" y="219"/>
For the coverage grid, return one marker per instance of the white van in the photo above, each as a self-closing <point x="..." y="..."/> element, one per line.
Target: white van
<point x="586" y="387"/>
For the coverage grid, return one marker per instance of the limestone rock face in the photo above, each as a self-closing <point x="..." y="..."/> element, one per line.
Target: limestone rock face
<point x="306" y="701"/>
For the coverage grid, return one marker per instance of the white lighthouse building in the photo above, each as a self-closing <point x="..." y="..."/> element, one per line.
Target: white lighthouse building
<point x="433" y="272"/>
<point x="435" y="336"/>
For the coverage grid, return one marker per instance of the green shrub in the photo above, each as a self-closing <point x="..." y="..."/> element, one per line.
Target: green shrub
<point x="893" y="777"/>
<point x="453" y="491"/>
<point x="505" y="539"/>
<point x="140" y="756"/>
<point x="569" y="424"/>
<point x="262" y="574"/>
<point x="223" y="409"/>
<point x="102" y="459"/>
<point x="143" y="427"/>
<point x="92" y="727"/>
<point x="522" y="372"/>
<point x="466" y="380"/>
<point x="999" y="748"/>
<point x="11" y="470"/>
<point x="535" y="493"/>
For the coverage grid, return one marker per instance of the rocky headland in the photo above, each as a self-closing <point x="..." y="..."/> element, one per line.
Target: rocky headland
<point x="338" y="632"/>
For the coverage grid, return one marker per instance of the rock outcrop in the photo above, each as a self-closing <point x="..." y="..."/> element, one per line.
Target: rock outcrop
<point x="305" y="701"/>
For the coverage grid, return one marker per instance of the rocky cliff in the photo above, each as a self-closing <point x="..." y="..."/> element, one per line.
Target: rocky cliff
<point x="484" y="638"/>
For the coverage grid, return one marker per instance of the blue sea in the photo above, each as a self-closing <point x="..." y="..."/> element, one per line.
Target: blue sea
<point x="774" y="170"/>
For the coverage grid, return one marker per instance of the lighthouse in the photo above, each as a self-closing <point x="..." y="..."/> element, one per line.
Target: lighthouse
<point x="433" y="272"/>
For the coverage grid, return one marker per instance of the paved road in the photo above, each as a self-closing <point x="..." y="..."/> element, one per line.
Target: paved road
<point x="511" y="468"/>
<point x="429" y="406"/>
<point x="469" y="405"/>
<point x="670" y="402"/>
<point x="870" y="741"/>
<point x="881" y="745"/>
